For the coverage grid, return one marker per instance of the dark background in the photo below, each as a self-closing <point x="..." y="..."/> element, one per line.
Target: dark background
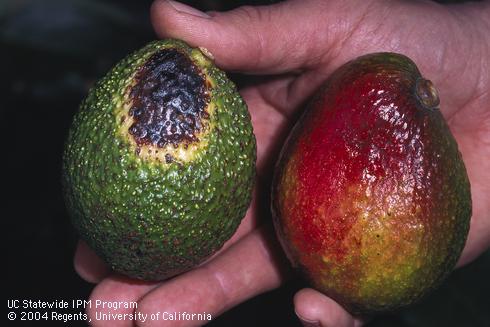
<point x="51" y="52"/>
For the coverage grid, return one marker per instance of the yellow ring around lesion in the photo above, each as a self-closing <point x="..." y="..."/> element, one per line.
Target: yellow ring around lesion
<point x="183" y="152"/>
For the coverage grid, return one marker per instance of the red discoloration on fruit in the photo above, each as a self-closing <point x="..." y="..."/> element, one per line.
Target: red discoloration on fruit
<point x="346" y="146"/>
<point x="360" y="194"/>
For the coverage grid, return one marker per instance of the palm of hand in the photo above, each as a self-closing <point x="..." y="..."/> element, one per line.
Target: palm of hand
<point x="464" y="99"/>
<point x="250" y="262"/>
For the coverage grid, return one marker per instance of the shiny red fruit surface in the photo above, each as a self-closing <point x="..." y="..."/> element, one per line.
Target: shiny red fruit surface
<point x="371" y="200"/>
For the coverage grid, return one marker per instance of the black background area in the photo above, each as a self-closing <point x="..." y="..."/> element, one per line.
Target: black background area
<point x="52" y="51"/>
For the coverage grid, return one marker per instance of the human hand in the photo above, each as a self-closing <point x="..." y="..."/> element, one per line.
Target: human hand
<point x="294" y="46"/>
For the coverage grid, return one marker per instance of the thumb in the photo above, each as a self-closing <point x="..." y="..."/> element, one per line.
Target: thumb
<point x="315" y="309"/>
<point x="263" y="39"/>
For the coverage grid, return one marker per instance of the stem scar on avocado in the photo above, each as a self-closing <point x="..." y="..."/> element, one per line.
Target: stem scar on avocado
<point x="426" y="93"/>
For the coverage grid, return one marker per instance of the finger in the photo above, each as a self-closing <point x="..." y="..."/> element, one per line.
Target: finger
<point x="88" y="265"/>
<point x="285" y="93"/>
<point x="270" y="127"/>
<point x="262" y="39"/>
<point x="113" y="296"/>
<point x="471" y="147"/>
<point x="316" y="309"/>
<point x="249" y="267"/>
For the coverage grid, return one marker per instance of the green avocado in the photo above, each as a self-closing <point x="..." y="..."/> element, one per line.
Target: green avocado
<point x="159" y="162"/>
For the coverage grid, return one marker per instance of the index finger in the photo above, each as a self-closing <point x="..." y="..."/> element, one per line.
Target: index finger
<point x="259" y="39"/>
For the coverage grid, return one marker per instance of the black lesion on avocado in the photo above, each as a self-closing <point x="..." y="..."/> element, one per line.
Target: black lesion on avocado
<point x="169" y="100"/>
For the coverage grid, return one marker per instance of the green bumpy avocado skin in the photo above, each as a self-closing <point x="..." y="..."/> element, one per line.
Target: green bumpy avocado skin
<point x="149" y="218"/>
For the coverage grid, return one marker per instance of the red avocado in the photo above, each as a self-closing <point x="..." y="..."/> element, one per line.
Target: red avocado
<point x="370" y="197"/>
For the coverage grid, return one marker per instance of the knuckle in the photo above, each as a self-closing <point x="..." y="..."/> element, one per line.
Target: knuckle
<point x="249" y="14"/>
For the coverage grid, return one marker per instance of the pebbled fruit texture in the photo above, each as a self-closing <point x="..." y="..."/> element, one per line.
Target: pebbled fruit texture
<point x="159" y="162"/>
<point x="370" y="199"/>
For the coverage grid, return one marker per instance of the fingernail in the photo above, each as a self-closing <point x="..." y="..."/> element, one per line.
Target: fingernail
<point x="309" y="323"/>
<point x="185" y="9"/>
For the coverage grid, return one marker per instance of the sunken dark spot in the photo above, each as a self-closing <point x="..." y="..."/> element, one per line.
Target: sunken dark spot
<point x="169" y="100"/>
